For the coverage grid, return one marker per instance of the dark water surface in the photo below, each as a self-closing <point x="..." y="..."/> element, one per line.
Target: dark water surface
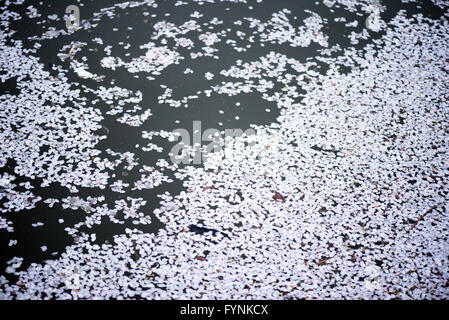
<point x="122" y="137"/>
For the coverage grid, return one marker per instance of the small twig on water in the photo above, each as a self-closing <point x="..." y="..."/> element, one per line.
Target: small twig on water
<point x="422" y="217"/>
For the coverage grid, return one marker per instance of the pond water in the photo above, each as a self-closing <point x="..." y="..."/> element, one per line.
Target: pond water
<point x="157" y="77"/>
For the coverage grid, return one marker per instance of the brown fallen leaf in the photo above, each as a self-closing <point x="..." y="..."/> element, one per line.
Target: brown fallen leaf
<point x="322" y="261"/>
<point x="279" y="197"/>
<point x="201" y="258"/>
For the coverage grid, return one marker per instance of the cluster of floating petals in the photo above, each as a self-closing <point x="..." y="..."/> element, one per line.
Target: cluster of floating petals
<point x="344" y="195"/>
